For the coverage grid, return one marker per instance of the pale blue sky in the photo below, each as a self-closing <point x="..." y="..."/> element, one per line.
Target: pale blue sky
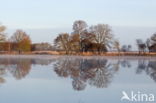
<point x="60" y="14"/>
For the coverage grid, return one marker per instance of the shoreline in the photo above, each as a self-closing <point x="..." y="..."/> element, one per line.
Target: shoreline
<point x="32" y="56"/>
<point x="62" y="53"/>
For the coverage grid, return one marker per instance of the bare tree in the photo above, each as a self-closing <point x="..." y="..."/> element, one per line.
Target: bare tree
<point x="63" y="42"/>
<point x="79" y="28"/>
<point x="141" y="45"/>
<point x="75" y="42"/>
<point x="117" y="45"/>
<point x="2" y="34"/>
<point x="153" y="38"/>
<point x="126" y="48"/>
<point x="18" y="36"/>
<point x="103" y="35"/>
<point x="129" y="47"/>
<point x="148" y="44"/>
<point x="151" y="43"/>
<point x="22" y="40"/>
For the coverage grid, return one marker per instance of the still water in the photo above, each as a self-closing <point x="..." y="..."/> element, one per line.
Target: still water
<point x="73" y="79"/>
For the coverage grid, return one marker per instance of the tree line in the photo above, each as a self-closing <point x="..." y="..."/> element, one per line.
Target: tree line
<point x="148" y="45"/>
<point x="20" y="42"/>
<point x="96" y="39"/>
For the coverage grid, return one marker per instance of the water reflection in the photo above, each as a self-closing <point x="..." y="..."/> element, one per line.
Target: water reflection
<point x="83" y="72"/>
<point x="19" y="67"/>
<point x="147" y="66"/>
<point x="2" y="72"/>
<point x="152" y="70"/>
<point x="125" y="63"/>
<point x="95" y="72"/>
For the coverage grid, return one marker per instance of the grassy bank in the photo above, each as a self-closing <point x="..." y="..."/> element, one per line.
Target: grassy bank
<point x="83" y="53"/>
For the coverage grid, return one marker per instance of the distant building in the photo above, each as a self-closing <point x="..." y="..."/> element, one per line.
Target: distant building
<point x="41" y="47"/>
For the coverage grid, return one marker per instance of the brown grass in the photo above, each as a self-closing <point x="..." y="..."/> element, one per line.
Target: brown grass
<point x="84" y="53"/>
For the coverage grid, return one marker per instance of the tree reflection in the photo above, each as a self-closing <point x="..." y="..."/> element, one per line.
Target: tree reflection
<point x="19" y="67"/>
<point x="83" y="71"/>
<point x="152" y="70"/>
<point x="2" y="72"/>
<point x="78" y="84"/>
<point x="142" y="65"/>
<point x="125" y="63"/>
<point x="149" y="66"/>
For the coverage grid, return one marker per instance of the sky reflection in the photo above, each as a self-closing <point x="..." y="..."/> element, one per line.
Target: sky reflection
<point x="74" y="79"/>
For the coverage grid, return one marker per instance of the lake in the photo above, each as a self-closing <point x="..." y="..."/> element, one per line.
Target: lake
<point x="76" y="79"/>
